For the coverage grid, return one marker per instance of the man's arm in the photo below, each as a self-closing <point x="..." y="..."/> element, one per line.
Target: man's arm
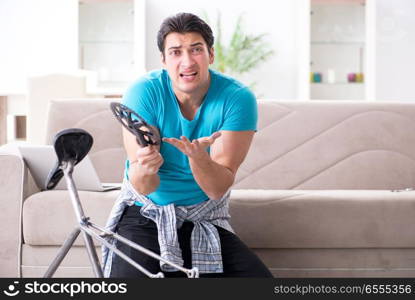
<point x="215" y="174"/>
<point x="144" y="164"/>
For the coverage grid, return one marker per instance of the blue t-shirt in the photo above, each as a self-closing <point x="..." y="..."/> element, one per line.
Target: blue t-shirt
<point x="227" y="105"/>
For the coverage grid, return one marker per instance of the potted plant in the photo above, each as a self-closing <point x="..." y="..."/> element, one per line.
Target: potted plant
<point x="242" y="53"/>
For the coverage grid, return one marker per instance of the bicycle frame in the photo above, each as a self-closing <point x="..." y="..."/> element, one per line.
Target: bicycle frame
<point x="90" y="230"/>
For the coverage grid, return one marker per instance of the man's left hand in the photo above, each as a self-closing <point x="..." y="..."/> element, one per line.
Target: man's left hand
<point x="195" y="149"/>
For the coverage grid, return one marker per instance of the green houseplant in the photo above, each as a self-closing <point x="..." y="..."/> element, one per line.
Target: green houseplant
<point x="242" y="53"/>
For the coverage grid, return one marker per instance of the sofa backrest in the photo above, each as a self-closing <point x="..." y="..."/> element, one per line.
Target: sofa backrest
<point x="331" y="145"/>
<point x="94" y="115"/>
<point x="299" y="144"/>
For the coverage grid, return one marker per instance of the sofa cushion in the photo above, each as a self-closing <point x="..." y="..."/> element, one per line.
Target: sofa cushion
<point x="48" y="217"/>
<point x="324" y="219"/>
<point x="262" y="218"/>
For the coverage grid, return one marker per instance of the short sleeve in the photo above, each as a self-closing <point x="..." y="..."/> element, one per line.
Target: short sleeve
<point x="241" y="111"/>
<point x="140" y="98"/>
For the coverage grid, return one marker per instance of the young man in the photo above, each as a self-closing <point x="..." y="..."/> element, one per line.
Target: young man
<point x="178" y="191"/>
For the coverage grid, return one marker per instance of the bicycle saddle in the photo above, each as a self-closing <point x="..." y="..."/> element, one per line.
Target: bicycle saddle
<point x="71" y="144"/>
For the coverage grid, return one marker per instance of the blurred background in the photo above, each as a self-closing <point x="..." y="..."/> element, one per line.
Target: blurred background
<point x="284" y="49"/>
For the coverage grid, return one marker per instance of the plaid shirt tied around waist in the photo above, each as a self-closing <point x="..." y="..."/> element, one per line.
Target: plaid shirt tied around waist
<point x="205" y="242"/>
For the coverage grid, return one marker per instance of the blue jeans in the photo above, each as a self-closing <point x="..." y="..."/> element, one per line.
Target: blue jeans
<point x="238" y="259"/>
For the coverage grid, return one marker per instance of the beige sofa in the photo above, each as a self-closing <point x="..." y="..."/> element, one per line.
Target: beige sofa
<point x="312" y="199"/>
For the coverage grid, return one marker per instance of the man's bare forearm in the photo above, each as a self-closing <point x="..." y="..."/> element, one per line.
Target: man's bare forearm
<point x="144" y="184"/>
<point x="213" y="178"/>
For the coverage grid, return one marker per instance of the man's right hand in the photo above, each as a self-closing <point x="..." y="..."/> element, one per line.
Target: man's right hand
<point x="148" y="161"/>
<point x="144" y="164"/>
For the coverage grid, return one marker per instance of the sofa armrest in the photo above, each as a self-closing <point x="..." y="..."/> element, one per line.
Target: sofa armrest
<point x="15" y="186"/>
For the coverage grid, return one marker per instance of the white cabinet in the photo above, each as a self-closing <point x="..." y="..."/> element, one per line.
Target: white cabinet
<point x="111" y="34"/>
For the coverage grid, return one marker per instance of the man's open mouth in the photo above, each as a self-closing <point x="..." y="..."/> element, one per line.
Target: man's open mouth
<point x="188" y="74"/>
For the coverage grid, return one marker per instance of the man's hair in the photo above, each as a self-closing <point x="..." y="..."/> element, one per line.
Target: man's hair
<point x="184" y="23"/>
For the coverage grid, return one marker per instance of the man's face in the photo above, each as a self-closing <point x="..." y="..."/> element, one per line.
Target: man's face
<point x="187" y="60"/>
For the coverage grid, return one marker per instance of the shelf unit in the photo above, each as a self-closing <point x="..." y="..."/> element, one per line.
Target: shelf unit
<point x="337" y="48"/>
<point x="337" y="83"/>
<point x="110" y="37"/>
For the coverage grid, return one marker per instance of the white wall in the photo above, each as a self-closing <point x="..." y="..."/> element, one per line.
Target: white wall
<point x="41" y="36"/>
<point x="278" y="77"/>
<point x="395" y="50"/>
<point x="36" y="36"/>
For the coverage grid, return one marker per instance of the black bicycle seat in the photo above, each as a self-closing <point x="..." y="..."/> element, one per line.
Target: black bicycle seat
<point x="135" y="124"/>
<point x="71" y="144"/>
